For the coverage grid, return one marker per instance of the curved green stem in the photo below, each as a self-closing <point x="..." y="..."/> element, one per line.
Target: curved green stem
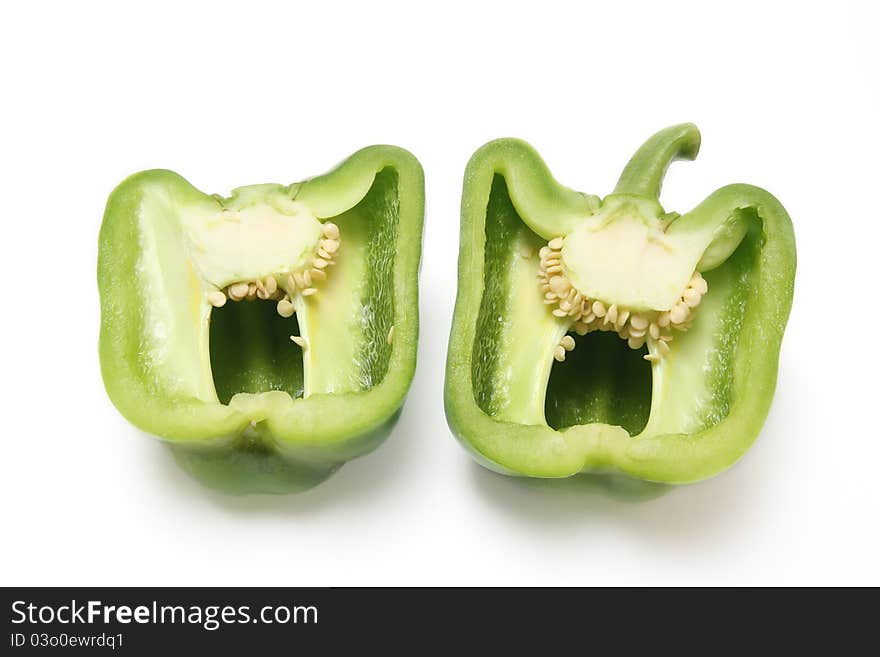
<point x="643" y="174"/>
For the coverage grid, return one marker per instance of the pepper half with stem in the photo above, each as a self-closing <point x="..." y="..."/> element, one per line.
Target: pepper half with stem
<point x="608" y="335"/>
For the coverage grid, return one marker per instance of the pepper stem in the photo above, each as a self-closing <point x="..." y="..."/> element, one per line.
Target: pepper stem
<point x="643" y="174"/>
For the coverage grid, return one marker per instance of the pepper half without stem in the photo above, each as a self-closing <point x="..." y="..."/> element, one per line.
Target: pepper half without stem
<point x="607" y="335"/>
<point x="250" y="333"/>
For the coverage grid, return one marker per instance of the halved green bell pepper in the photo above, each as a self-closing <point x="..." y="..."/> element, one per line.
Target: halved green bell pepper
<point x="609" y="336"/>
<point x="270" y="336"/>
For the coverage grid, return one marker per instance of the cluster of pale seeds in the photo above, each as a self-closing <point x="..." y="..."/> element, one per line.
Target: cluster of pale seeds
<point x="594" y="315"/>
<point x="304" y="280"/>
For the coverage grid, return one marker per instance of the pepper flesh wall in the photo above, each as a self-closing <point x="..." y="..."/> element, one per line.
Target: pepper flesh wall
<point x="607" y="335"/>
<point x="253" y="333"/>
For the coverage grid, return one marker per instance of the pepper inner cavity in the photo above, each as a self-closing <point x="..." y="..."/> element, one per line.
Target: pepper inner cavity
<point x="343" y="328"/>
<point x="267" y="368"/>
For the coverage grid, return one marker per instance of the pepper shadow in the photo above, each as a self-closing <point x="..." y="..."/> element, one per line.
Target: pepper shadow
<point x="356" y="482"/>
<point x="548" y="501"/>
<point x="615" y="487"/>
<point x="677" y="516"/>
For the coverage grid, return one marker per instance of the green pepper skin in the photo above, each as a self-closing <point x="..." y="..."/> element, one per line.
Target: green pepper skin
<point x="758" y="283"/>
<point x="281" y="444"/>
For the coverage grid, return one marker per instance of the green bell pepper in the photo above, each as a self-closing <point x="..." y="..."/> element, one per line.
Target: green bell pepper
<point x="270" y="336"/>
<point x="607" y="335"/>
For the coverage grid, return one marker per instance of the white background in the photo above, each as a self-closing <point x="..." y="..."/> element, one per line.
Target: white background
<point x="786" y="96"/>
